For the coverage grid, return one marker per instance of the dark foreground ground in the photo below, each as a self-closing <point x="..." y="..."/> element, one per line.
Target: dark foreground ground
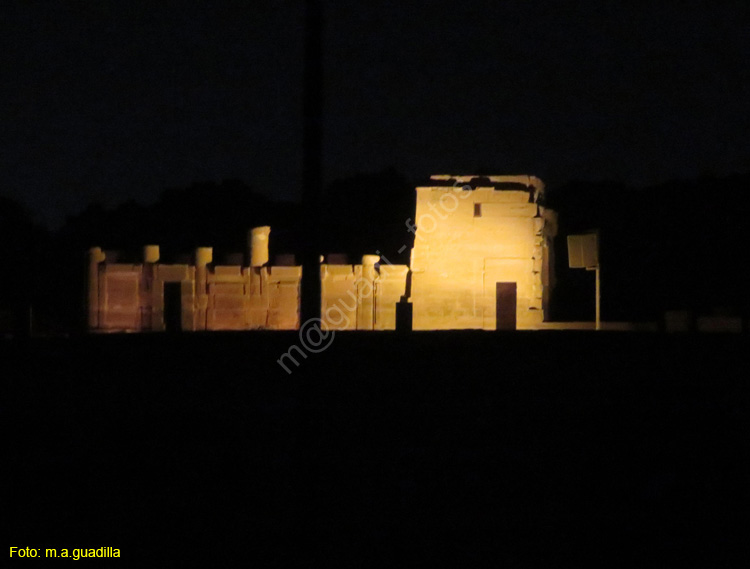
<point x="525" y="449"/>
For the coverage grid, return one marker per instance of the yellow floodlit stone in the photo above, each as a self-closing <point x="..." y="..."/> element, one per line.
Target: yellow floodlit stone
<point x="468" y="237"/>
<point x="151" y="254"/>
<point x="482" y="256"/>
<point x="259" y="246"/>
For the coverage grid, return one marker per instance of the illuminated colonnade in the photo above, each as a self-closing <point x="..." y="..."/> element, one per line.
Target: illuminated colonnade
<point x="482" y="259"/>
<point x="151" y="296"/>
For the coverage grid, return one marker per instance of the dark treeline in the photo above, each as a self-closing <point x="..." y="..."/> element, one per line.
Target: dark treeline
<point x="680" y="245"/>
<point x="674" y="246"/>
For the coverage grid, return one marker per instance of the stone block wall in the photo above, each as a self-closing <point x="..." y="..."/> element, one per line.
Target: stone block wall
<point x="133" y="298"/>
<point x="361" y="297"/>
<point x="470" y="234"/>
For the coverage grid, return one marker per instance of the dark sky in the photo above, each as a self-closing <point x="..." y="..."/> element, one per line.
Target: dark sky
<point x="111" y="100"/>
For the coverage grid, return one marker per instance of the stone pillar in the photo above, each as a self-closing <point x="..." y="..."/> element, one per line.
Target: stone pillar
<point x="151" y="254"/>
<point x="203" y="256"/>
<point x="96" y="256"/>
<point x="150" y="258"/>
<point x="366" y="293"/>
<point x="258" y="245"/>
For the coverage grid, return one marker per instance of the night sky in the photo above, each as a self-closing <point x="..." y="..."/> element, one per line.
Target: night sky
<point x="108" y="101"/>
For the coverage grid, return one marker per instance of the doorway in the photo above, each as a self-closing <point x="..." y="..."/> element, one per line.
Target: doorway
<point x="505" y="307"/>
<point x="173" y="307"/>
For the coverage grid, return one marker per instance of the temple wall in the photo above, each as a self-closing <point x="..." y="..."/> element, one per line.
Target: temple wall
<point x="284" y="298"/>
<point x="390" y="287"/>
<point x="227" y="306"/>
<point x="339" y="302"/>
<point x="131" y="297"/>
<point x="466" y="241"/>
<point x="361" y="297"/>
<point x="120" y="297"/>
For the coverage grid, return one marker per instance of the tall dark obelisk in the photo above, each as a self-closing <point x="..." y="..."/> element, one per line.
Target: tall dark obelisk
<point x="312" y="160"/>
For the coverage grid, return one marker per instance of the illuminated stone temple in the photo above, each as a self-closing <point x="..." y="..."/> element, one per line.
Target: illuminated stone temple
<point x="482" y="255"/>
<point x="482" y="259"/>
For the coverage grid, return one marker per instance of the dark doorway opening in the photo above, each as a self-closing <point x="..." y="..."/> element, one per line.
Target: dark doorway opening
<point x="404" y="316"/>
<point x="505" y="309"/>
<point x="173" y="307"/>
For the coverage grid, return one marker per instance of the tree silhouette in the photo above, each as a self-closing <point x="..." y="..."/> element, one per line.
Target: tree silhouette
<point x="366" y="213"/>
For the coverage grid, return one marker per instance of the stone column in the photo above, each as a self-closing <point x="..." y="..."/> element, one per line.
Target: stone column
<point x="203" y="256"/>
<point x="366" y="293"/>
<point x="258" y="244"/>
<point x="96" y="256"/>
<point x="150" y="258"/>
